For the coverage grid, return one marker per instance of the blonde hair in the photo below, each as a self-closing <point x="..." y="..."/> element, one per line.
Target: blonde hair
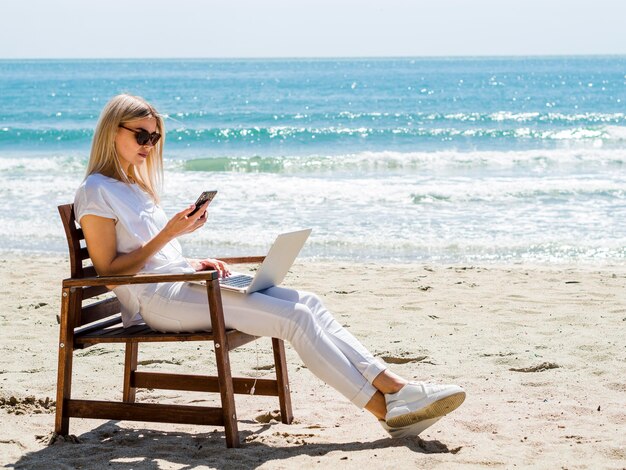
<point x="123" y="109"/>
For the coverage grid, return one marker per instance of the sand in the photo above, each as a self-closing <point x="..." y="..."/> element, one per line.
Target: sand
<point x="541" y="351"/>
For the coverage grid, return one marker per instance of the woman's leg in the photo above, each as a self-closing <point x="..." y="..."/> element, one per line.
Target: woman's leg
<point x="355" y="352"/>
<point x="413" y="408"/>
<point x="374" y="371"/>
<point x="183" y="307"/>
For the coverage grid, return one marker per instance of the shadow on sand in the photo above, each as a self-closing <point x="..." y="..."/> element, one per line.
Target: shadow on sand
<point x="110" y="446"/>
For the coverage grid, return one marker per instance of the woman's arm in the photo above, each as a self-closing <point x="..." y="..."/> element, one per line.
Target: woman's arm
<point x="102" y="244"/>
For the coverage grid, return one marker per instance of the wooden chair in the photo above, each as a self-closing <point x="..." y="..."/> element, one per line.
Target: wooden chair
<point x="84" y="325"/>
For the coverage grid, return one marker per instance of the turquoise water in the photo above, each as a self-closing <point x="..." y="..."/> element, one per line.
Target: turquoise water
<point x="455" y="160"/>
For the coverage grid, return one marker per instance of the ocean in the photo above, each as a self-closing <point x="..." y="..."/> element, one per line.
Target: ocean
<point x="453" y="160"/>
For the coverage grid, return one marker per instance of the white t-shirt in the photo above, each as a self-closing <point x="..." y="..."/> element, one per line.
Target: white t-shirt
<point x="137" y="220"/>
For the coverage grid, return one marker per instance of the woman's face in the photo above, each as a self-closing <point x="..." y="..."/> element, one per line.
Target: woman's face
<point x="129" y="151"/>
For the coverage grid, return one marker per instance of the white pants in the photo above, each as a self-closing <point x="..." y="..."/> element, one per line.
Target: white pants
<point x="325" y="347"/>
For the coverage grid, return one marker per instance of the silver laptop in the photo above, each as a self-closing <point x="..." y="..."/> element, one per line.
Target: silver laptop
<point x="274" y="268"/>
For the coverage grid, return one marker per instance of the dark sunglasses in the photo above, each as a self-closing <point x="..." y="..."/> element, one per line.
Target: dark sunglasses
<point x="143" y="137"/>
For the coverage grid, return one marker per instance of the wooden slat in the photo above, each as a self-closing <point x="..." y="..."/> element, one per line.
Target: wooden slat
<point x="99" y="325"/>
<point x="90" y="292"/>
<point x="99" y="310"/>
<point x="84" y="254"/>
<point x="135" y="330"/>
<point x="121" y="332"/>
<point x="139" y="279"/>
<point x="142" y="333"/>
<point x="150" y="412"/>
<point x="150" y="336"/>
<point x="202" y="383"/>
<point x="237" y="338"/>
<point x="90" y="271"/>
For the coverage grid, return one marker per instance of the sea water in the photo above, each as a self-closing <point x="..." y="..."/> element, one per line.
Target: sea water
<point x="462" y="160"/>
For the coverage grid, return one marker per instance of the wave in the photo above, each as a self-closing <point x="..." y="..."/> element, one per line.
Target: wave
<point x="27" y="137"/>
<point x="365" y="162"/>
<point x="378" y="248"/>
<point x="191" y="119"/>
<point x="50" y="165"/>
<point x="198" y="120"/>
<point x="411" y="161"/>
<point x="258" y="134"/>
<point x="505" y="191"/>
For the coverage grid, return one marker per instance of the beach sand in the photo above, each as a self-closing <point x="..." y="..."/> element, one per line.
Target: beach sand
<point x="540" y="350"/>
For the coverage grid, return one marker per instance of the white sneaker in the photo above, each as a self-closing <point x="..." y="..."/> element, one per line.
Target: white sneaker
<point x="414" y="429"/>
<point x="418" y="401"/>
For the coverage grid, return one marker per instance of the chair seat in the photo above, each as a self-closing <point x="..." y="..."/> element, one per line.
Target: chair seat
<point x="111" y="330"/>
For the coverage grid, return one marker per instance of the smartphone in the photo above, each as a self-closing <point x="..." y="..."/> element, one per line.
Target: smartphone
<point x="204" y="197"/>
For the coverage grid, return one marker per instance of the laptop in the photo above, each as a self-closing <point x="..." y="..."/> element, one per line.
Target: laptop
<point x="274" y="268"/>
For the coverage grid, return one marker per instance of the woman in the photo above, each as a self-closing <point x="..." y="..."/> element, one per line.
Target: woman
<point x="127" y="232"/>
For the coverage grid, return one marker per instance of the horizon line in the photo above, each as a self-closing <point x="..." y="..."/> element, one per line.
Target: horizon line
<point x="478" y="56"/>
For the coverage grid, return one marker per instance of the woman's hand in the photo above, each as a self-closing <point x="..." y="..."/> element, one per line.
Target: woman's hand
<point x="209" y="263"/>
<point x="183" y="223"/>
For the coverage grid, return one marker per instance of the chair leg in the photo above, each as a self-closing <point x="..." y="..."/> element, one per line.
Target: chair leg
<point x="224" y="376"/>
<point x="284" y="395"/>
<point x="130" y="366"/>
<point x="228" y="396"/>
<point x="64" y="372"/>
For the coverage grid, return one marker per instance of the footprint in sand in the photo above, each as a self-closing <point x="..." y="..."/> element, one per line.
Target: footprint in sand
<point x="59" y="439"/>
<point x="149" y="362"/>
<point x="436" y="447"/>
<point x="402" y="360"/>
<point x="27" y="405"/>
<point x="538" y="368"/>
<point x="498" y="354"/>
<point x="617" y="386"/>
<point x="268" y="417"/>
<point x="291" y="438"/>
<point x="95" y="351"/>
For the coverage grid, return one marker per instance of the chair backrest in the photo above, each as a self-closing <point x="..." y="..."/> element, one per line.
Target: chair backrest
<point x="81" y="267"/>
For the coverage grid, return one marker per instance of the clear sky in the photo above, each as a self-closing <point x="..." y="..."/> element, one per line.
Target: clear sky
<point x="309" y="28"/>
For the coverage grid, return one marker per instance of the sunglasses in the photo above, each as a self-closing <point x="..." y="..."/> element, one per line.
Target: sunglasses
<point x="144" y="137"/>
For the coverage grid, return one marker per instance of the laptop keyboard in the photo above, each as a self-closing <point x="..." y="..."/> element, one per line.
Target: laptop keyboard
<point x="237" y="280"/>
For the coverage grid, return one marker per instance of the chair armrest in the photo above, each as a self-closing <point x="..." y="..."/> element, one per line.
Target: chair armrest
<point x="242" y="259"/>
<point x="139" y="279"/>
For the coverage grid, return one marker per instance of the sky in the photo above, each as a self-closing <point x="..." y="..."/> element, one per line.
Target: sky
<point x="309" y="28"/>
